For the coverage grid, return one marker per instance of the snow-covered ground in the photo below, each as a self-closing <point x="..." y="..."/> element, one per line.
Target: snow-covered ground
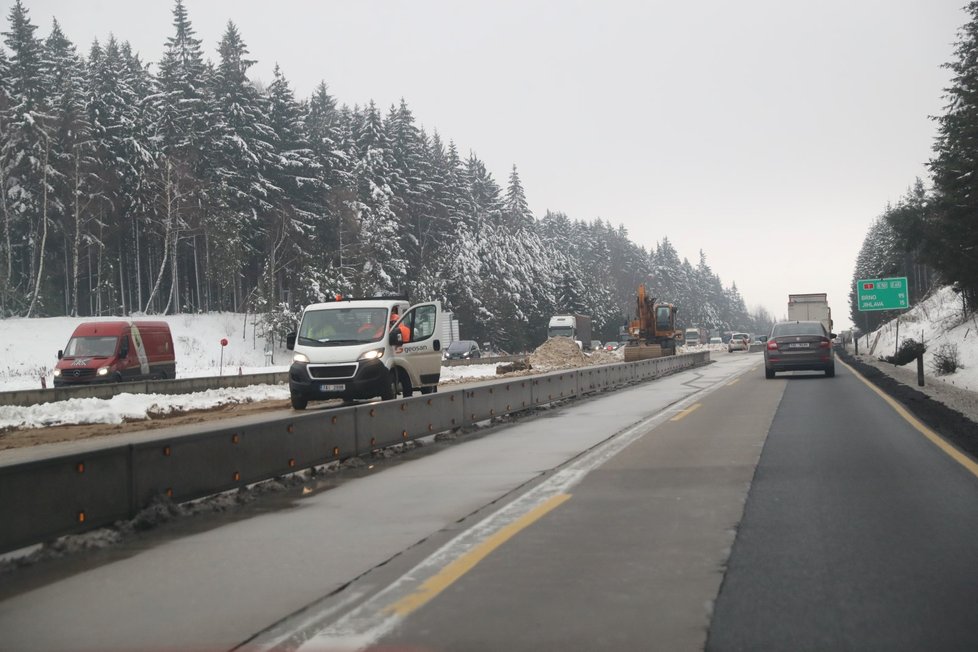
<point x="937" y="320"/>
<point x="29" y="350"/>
<point x="29" y="347"/>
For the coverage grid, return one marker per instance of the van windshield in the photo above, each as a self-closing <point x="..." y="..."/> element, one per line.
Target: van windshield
<point x="339" y="326"/>
<point x="95" y="347"/>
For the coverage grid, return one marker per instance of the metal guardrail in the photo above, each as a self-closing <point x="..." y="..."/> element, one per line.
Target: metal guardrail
<point x="27" y="397"/>
<point x="496" y="359"/>
<point x="69" y="493"/>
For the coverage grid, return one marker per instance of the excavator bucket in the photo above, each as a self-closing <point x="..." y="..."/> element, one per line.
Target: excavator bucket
<point x="635" y="352"/>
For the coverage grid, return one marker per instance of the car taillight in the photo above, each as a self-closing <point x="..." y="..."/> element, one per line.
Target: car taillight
<point x="824" y="344"/>
<point x="772" y="345"/>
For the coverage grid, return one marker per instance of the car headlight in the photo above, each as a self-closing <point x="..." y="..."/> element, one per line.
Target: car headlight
<point x="300" y="357"/>
<point x="372" y="354"/>
<point x="103" y="371"/>
<point x="57" y="372"/>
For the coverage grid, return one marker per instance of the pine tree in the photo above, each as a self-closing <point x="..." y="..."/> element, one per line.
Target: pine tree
<point x="950" y="232"/>
<point x="25" y="172"/>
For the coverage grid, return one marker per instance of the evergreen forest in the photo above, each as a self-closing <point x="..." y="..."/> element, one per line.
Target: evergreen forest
<point x="931" y="234"/>
<point x="184" y="185"/>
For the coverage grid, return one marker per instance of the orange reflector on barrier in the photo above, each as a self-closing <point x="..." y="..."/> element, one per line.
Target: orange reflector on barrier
<point x="235" y="438"/>
<point x="81" y="517"/>
<point x="237" y="476"/>
<point x="290" y="428"/>
<point x="166" y="451"/>
<point x="169" y="492"/>
<point x="334" y="420"/>
<point x="80" y="467"/>
<point x="336" y="451"/>
<point x="404" y="434"/>
<point x="291" y="462"/>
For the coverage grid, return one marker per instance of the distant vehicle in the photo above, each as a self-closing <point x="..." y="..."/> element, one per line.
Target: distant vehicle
<point x="694" y="336"/>
<point x="574" y="326"/>
<point x="716" y="340"/>
<point x="611" y="346"/>
<point x="799" y="346"/>
<point x="810" y="307"/>
<point x="463" y="350"/>
<point x="365" y="347"/>
<point x="738" y="342"/>
<point x="116" y="351"/>
<point x="596" y="345"/>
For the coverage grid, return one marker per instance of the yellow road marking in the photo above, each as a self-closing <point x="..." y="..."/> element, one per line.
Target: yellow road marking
<point x="733" y="382"/>
<point x="453" y="571"/>
<point x="936" y="439"/>
<point x="685" y="413"/>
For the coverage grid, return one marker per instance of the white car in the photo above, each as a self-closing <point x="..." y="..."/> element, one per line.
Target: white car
<point x="738" y="342"/>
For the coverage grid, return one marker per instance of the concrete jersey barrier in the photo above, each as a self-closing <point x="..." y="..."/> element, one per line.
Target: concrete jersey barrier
<point x="91" y="484"/>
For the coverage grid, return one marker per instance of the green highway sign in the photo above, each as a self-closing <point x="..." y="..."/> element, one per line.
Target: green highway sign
<point x="883" y="294"/>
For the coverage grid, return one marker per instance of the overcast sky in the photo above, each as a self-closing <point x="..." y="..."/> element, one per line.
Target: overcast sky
<point x="767" y="133"/>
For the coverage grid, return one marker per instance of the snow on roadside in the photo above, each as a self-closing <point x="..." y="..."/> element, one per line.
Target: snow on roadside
<point x="937" y="320"/>
<point x="131" y="407"/>
<point x="468" y="372"/>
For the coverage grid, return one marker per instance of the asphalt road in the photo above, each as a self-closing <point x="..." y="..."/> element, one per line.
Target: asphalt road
<point x="713" y="509"/>
<point x="859" y="533"/>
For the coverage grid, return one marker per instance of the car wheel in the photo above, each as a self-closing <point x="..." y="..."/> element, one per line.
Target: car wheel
<point x="768" y="373"/>
<point x="830" y="372"/>
<point x="298" y="402"/>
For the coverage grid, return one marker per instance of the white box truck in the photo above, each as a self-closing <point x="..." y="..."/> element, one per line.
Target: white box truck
<point x="575" y="326"/>
<point x="810" y="307"/>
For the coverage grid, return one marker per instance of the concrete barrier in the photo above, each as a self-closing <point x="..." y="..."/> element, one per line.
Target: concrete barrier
<point x="58" y="493"/>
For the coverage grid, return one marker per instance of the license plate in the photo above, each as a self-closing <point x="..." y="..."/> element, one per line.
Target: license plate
<point x="798" y="345"/>
<point x="332" y="388"/>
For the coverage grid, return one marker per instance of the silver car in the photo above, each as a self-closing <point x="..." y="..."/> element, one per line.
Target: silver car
<point x="798" y="346"/>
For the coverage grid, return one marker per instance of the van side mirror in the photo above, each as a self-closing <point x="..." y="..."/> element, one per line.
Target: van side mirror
<point x="395" y="337"/>
<point x="290" y="341"/>
<point x="61" y="354"/>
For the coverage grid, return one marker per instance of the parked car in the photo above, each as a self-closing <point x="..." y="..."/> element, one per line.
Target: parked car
<point x="611" y="346"/>
<point x="463" y="350"/>
<point x="799" y="346"/>
<point x="739" y="342"/>
<point x="716" y="340"/>
<point x="596" y="345"/>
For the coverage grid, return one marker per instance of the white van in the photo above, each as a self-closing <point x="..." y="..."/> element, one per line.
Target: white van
<point x="362" y="348"/>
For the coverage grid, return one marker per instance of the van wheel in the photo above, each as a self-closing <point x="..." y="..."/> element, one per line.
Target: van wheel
<point x="392" y="387"/>
<point x="298" y="402"/>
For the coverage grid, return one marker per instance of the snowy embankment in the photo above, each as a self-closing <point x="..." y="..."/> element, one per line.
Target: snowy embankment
<point x="936" y="321"/>
<point x="30" y="347"/>
<point x="29" y="353"/>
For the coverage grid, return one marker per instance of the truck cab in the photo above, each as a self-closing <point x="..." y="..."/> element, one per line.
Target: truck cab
<point x="363" y="348"/>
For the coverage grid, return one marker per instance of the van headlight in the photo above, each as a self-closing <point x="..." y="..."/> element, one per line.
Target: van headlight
<point x="372" y="354"/>
<point x="300" y="357"/>
<point x="57" y="373"/>
<point x="103" y="371"/>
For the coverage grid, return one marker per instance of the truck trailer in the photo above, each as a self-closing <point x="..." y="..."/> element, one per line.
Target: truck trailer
<point x="810" y="307"/>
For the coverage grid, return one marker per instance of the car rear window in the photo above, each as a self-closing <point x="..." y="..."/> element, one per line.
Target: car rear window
<point x="800" y="328"/>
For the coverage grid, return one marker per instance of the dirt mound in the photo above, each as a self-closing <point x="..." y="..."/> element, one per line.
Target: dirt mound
<point x="557" y="353"/>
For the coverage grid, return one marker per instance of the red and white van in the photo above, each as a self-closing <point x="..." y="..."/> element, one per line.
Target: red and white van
<point x="116" y="351"/>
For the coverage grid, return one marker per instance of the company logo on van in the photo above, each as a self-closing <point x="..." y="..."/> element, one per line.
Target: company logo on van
<point x="416" y="349"/>
<point x="81" y="362"/>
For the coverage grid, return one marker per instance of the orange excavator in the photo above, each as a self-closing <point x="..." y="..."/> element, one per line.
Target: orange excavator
<point x="652" y="334"/>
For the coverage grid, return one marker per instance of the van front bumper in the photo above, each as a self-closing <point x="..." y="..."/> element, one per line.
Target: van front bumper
<point x="370" y="380"/>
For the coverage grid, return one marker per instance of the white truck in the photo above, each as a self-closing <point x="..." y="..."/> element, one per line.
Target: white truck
<point x="365" y="347"/>
<point x="574" y="326"/>
<point x="810" y="307"/>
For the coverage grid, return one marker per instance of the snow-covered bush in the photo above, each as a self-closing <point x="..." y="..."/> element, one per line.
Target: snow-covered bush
<point x="946" y="360"/>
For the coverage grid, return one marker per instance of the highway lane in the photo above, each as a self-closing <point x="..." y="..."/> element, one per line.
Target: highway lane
<point x="217" y="585"/>
<point x="859" y="534"/>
